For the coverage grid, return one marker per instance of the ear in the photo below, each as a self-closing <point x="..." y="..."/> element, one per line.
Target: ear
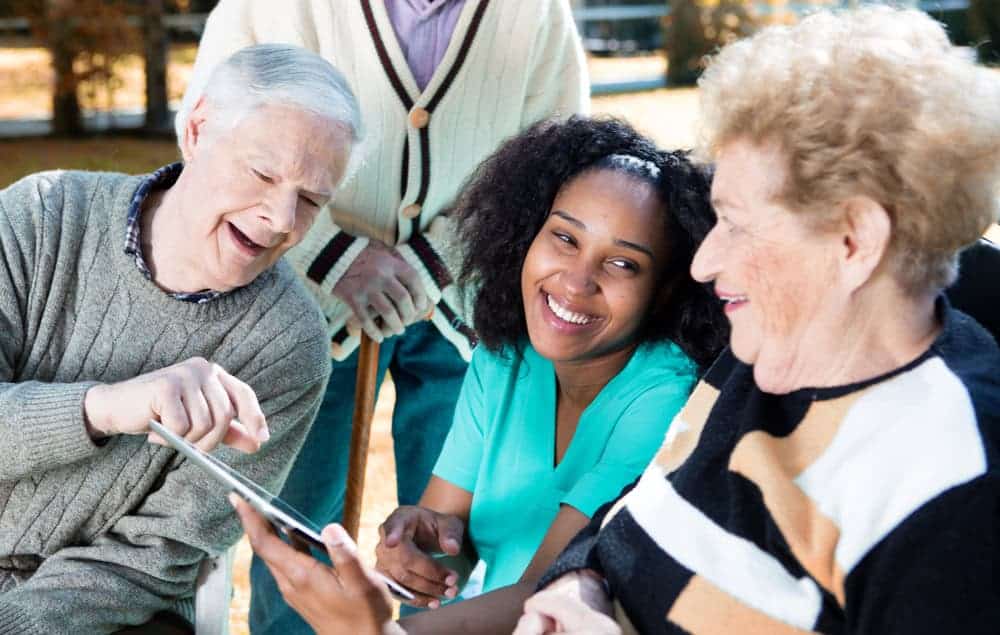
<point x="866" y="232"/>
<point x="194" y="129"/>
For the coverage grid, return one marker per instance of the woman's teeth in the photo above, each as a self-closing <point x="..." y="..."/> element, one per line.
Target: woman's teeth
<point x="735" y="299"/>
<point x="566" y="315"/>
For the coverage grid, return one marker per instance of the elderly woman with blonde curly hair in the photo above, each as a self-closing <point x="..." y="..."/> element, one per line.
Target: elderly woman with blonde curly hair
<point x="836" y="470"/>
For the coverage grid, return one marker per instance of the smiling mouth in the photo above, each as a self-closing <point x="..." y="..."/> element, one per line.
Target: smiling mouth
<point x="566" y="315"/>
<point x="244" y="240"/>
<point x="733" y="302"/>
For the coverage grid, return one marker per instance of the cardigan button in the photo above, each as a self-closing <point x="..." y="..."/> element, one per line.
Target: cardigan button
<point x="419" y="118"/>
<point x="412" y="211"/>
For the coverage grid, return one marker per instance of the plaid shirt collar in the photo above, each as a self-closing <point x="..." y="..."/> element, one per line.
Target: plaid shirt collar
<point x="160" y="180"/>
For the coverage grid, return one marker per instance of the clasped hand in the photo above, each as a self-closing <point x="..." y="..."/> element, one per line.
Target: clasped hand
<point x="383" y="291"/>
<point x="195" y="398"/>
<point x="407" y="541"/>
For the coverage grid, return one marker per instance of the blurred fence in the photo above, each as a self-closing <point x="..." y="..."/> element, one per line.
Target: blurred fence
<point x="183" y="25"/>
<point x="627" y="29"/>
<point x="610" y="29"/>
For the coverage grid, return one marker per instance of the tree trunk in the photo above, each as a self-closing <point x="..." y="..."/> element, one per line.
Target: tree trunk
<point x="155" y="50"/>
<point x="67" y="118"/>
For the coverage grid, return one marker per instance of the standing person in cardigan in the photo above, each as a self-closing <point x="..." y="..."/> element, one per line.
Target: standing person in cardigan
<point x="440" y="83"/>
<point x="129" y="298"/>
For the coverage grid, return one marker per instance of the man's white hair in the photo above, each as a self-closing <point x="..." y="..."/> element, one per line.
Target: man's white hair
<point x="278" y="74"/>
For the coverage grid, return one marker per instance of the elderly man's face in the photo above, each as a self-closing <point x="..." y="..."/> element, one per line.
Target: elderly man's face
<point x="775" y="271"/>
<point x="258" y="187"/>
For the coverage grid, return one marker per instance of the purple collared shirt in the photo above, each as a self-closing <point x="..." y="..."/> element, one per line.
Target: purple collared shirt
<point x="423" y="29"/>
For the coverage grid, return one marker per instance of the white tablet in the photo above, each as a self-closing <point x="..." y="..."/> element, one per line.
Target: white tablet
<point x="302" y="533"/>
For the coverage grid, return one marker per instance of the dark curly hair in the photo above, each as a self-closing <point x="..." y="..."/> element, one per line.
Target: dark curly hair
<point x="509" y="196"/>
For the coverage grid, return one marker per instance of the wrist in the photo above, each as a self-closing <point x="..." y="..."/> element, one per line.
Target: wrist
<point x="94" y="416"/>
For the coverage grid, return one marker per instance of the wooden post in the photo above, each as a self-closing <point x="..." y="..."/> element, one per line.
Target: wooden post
<point x="364" y="408"/>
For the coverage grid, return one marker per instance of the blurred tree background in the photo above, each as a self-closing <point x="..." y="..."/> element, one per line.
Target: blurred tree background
<point x="88" y="38"/>
<point x="696" y="28"/>
<point x="100" y="49"/>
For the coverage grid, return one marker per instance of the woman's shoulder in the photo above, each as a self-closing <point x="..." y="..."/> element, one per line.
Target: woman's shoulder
<point x="659" y="373"/>
<point x="663" y="359"/>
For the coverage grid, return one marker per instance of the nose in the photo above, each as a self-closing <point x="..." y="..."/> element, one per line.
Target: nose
<point x="706" y="264"/>
<point x="578" y="279"/>
<point x="279" y="213"/>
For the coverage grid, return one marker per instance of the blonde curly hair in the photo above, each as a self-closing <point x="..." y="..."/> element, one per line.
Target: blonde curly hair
<point x="874" y="102"/>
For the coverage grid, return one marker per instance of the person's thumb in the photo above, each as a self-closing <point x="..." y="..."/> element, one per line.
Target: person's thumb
<point x="451" y="531"/>
<point x="335" y="535"/>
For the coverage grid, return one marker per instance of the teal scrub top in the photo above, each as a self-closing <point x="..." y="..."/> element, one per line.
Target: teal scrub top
<point x="501" y="446"/>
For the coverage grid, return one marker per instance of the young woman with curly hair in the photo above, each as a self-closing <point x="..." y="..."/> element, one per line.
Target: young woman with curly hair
<point x="578" y="238"/>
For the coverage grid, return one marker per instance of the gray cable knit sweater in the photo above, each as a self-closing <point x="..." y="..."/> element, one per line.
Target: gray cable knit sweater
<point x="96" y="537"/>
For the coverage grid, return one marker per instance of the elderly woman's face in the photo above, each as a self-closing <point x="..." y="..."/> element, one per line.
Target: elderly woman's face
<point x="261" y="185"/>
<point x="774" y="271"/>
<point x="590" y="275"/>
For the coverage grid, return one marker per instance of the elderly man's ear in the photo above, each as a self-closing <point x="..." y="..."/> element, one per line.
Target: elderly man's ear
<point x="866" y="230"/>
<point x="194" y="129"/>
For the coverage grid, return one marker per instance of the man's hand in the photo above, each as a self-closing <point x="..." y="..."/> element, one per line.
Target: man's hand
<point x="345" y="598"/>
<point x="407" y="540"/>
<point x="196" y="399"/>
<point x="575" y="603"/>
<point x="380" y="286"/>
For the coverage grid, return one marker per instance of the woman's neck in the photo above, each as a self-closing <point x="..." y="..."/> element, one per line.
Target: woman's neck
<point x="890" y="334"/>
<point x="579" y="382"/>
<point x="881" y="330"/>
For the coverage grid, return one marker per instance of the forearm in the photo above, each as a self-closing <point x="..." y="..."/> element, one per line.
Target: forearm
<point x="42" y="427"/>
<point x="69" y="595"/>
<point x="558" y="85"/>
<point x="493" y="612"/>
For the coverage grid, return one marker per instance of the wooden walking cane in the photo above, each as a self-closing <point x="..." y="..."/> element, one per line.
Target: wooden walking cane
<point x="361" y="426"/>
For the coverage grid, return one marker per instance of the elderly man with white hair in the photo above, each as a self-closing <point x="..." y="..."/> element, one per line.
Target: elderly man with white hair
<point x="129" y="298"/>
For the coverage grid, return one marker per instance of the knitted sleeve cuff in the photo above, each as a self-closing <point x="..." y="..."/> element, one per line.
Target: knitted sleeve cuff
<point x="578" y="555"/>
<point x="52" y="426"/>
<point x="14" y="620"/>
<point x="420" y="255"/>
<point x="331" y="260"/>
<point x="581" y="552"/>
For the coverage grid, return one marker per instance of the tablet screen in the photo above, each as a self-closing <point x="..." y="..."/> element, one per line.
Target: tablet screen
<point x="301" y="531"/>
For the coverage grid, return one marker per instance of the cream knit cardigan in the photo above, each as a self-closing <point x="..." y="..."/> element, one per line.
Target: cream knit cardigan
<point x="510" y="63"/>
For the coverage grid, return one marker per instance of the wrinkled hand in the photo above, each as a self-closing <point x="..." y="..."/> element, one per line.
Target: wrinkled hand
<point x="381" y="284"/>
<point x="407" y="540"/>
<point x="575" y="603"/>
<point x="196" y="399"/>
<point x="344" y="599"/>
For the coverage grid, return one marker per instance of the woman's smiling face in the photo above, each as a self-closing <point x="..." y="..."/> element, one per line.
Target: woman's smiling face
<point x="590" y="276"/>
